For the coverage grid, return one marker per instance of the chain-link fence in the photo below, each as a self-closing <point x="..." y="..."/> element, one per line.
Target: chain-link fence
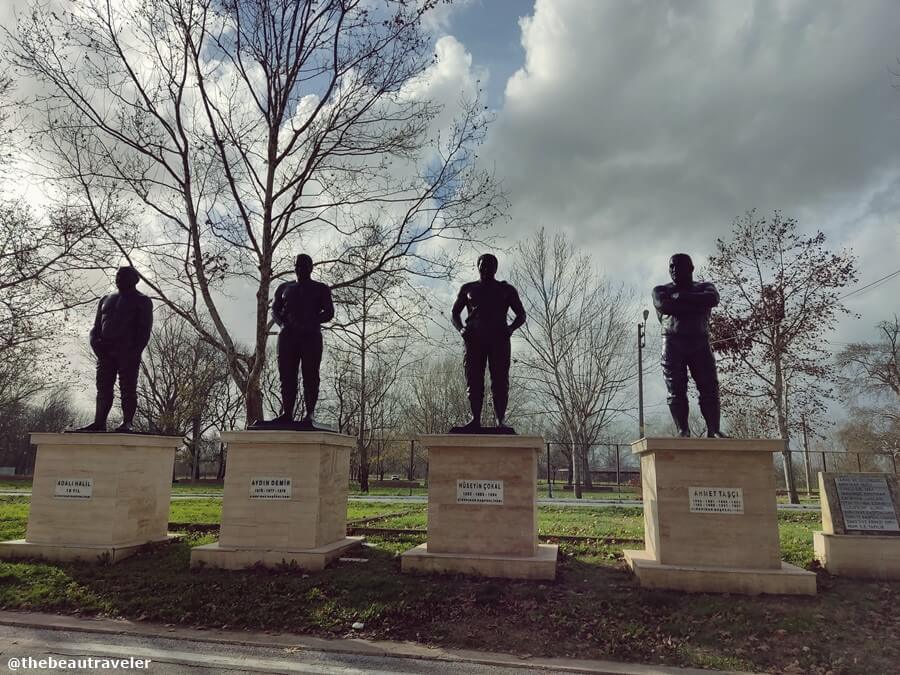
<point x="605" y="467"/>
<point x="807" y="465"/>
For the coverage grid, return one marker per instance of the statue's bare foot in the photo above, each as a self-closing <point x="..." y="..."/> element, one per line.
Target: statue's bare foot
<point x="684" y="433"/>
<point x="283" y="418"/>
<point x="716" y="434"/>
<point x="125" y="428"/>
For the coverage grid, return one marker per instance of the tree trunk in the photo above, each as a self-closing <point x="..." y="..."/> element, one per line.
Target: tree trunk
<point x="195" y="443"/>
<point x="570" y="474"/>
<point x="220" y="473"/>
<point x="586" y="466"/>
<point x="576" y="465"/>
<point x="253" y="400"/>
<point x="780" y="407"/>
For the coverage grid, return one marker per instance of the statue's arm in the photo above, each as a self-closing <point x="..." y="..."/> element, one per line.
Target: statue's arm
<point x="456" y="313"/>
<point x="326" y="314"/>
<point x="515" y="304"/>
<point x="96" y="329"/>
<point x="278" y="306"/>
<point x="145" y="324"/>
<point x="704" y="296"/>
<point x="665" y="303"/>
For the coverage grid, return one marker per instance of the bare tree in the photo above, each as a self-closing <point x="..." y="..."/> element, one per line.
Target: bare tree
<point x="377" y="317"/>
<point x="209" y="139"/>
<point x="779" y="298"/>
<point x="19" y="419"/>
<point x="40" y="261"/>
<point x="870" y="381"/>
<point x="436" y="395"/>
<point x="182" y="381"/>
<point x="578" y="337"/>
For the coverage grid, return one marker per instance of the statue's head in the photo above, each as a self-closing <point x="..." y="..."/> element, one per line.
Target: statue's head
<point x="487" y="265"/>
<point x="681" y="269"/>
<point x="127" y="278"/>
<point x="303" y="266"/>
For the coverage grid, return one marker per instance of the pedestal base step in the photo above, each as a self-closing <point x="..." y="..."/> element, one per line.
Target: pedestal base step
<point x="540" y="566"/>
<point x="19" y="548"/>
<point x="859" y="555"/>
<point x="235" y="558"/>
<point x="789" y="580"/>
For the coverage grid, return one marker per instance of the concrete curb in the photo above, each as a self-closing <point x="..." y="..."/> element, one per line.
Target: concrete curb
<point x="359" y="646"/>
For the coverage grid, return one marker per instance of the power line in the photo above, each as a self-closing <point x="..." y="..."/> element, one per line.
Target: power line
<point x="870" y="285"/>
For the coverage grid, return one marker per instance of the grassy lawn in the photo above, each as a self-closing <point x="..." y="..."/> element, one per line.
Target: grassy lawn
<point x="593" y="610"/>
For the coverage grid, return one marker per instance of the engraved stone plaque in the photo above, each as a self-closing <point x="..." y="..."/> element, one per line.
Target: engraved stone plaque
<point x="866" y="503"/>
<point x="74" y="488"/>
<point x="270" y="488"/>
<point x="716" y="500"/>
<point x="479" y="491"/>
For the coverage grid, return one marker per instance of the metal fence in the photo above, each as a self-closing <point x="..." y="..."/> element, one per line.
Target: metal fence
<point x="612" y="466"/>
<point x="807" y="465"/>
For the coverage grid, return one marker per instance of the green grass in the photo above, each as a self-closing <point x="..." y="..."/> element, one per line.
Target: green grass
<point x="593" y="610"/>
<point x="15" y="485"/>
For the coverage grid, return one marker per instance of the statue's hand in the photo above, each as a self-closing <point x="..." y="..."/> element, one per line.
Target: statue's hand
<point x="676" y="295"/>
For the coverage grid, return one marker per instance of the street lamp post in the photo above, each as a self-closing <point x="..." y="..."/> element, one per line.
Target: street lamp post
<point x="641" y="343"/>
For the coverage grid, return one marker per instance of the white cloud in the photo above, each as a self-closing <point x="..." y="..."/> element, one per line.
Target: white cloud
<point x="646" y="127"/>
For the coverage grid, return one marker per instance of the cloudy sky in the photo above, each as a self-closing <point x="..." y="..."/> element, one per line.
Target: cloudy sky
<point x="643" y="128"/>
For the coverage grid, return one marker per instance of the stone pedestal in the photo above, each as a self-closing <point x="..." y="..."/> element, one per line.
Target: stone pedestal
<point x="860" y="538"/>
<point x="97" y="496"/>
<point x="710" y="518"/>
<point x="285" y="501"/>
<point x="482" y="508"/>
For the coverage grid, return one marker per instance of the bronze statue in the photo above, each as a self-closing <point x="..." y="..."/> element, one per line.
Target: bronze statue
<point x="300" y="308"/>
<point x="120" y="333"/>
<point x="683" y="308"/>
<point x="487" y="339"/>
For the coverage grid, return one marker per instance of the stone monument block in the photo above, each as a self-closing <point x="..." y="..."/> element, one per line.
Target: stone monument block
<point x="285" y="501"/>
<point x="710" y="518"/>
<point x="482" y="508"/>
<point x="860" y="534"/>
<point x="97" y="496"/>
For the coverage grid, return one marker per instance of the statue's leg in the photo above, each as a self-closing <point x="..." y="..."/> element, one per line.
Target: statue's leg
<point x="288" y="368"/>
<point x="498" y="364"/>
<point x="310" y="362"/>
<point x="128" y="367"/>
<point x="106" y="380"/>
<point x="675" y="375"/>
<point x="474" y="363"/>
<point x="703" y="369"/>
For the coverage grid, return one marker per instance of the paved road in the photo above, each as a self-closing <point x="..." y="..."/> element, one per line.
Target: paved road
<point x="246" y="653"/>
<point x="587" y="503"/>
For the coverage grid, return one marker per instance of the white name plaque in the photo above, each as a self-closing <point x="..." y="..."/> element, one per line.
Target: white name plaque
<point x="716" y="500"/>
<point x="74" y="488"/>
<point x="479" y="491"/>
<point x="866" y="503"/>
<point x="270" y="488"/>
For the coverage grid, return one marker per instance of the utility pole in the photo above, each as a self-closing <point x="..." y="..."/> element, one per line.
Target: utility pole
<point x="806" y="457"/>
<point x="641" y="343"/>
